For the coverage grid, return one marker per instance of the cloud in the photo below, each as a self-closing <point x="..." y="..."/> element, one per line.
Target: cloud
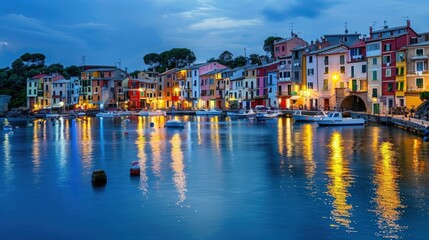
<point x="20" y="24"/>
<point x="224" y="23"/>
<point x="3" y="44"/>
<point x="307" y="9"/>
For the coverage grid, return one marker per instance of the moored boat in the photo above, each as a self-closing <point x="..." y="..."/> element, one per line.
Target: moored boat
<point x="150" y="113"/>
<point x="173" y="123"/>
<point x="208" y="112"/>
<point x="108" y="114"/>
<point x="269" y="114"/>
<point x="242" y="114"/>
<point x="8" y="127"/>
<point x="298" y="116"/>
<point x="337" y="119"/>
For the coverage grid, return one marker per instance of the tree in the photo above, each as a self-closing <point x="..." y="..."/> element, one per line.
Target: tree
<point x="255" y="59"/>
<point x="226" y="56"/>
<point x="18" y="66"/>
<point x="55" y="68"/>
<point x="239" y="61"/>
<point x="151" y="59"/>
<point x="73" y="70"/>
<point x="181" y="57"/>
<point x="269" y="45"/>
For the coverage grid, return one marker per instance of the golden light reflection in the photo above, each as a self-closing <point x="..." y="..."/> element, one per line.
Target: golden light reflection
<point x="155" y="144"/>
<point x="141" y="155"/>
<point x="418" y="164"/>
<point x="339" y="182"/>
<point x="387" y="198"/>
<point x="39" y="132"/>
<point x="214" y="130"/>
<point x="310" y="164"/>
<point x="179" y="177"/>
<point x="86" y="141"/>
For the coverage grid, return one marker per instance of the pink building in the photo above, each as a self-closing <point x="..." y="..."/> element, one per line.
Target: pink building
<point x="283" y="47"/>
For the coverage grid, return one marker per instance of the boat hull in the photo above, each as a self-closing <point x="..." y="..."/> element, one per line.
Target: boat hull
<point x="341" y="122"/>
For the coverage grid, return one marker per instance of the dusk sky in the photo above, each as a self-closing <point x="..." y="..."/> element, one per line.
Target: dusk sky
<point x="112" y="32"/>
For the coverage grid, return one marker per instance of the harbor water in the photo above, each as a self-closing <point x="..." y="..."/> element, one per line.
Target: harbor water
<point x="218" y="178"/>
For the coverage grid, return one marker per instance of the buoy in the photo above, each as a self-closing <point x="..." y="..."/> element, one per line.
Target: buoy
<point x="99" y="178"/>
<point x="10" y="133"/>
<point x="426" y="139"/>
<point x="135" y="168"/>
<point x="152" y="124"/>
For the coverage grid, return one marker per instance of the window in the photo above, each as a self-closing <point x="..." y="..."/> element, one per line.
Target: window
<point x="419" y="52"/>
<point x="419" y="66"/>
<point x="310" y="71"/>
<point x="374" y="92"/>
<point x="400" y="86"/>
<point x="363" y="68"/>
<point x="374" y="61"/>
<point x="399" y="56"/>
<point x="326" y="70"/>
<point x="352" y="71"/>
<point x="354" y="85"/>
<point x="342" y="69"/>
<point x="374" y="75"/>
<point x="387" y="47"/>
<point x="400" y="71"/>
<point x="325" y="84"/>
<point x="390" y="87"/>
<point x="326" y="60"/>
<point x="342" y="61"/>
<point x="386" y="59"/>
<point x="310" y="85"/>
<point x="388" y="72"/>
<point x="310" y="59"/>
<point x="373" y="47"/>
<point x="419" y="82"/>
<point x="296" y="75"/>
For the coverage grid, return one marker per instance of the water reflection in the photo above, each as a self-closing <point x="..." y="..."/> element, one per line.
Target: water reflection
<point x="387" y="198"/>
<point x="85" y="134"/>
<point x="7" y="163"/>
<point x="339" y="182"/>
<point x="310" y="164"/>
<point x="179" y="177"/>
<point x="141" y="155"/>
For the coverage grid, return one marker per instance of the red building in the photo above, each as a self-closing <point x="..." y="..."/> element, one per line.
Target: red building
<point x="392" y="39"/>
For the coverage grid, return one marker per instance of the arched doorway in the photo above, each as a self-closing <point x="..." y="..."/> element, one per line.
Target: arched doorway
<point x="353" y="103"/>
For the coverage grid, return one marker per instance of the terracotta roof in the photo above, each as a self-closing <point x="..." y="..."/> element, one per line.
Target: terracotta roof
<point x="38" y="76"/>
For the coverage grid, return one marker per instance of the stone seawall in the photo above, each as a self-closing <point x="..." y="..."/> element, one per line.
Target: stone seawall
<point x="413" y="125"/>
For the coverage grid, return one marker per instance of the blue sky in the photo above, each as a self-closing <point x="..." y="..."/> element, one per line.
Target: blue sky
<point x="108" y="32"/>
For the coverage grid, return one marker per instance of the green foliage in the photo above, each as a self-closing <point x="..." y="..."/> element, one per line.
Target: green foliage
<point x="73" y="70"/>
<point x="424" y="96"/>
<point x="269" y="45"/>
<point x="175" y="57"/>
<point x="151" y="59"/>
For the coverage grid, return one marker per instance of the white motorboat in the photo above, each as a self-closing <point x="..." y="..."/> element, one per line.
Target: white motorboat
<point x="337" y="119"/>
<point x="108" y="114"/>
<point x="151" y="113"/>
<point x="8" y="127"/>
<point x="174" y="123"/>
<point x="269" y="114"/>
<point x="208" y="112"/>
<point x="242" y="113"/>
<point x="299" y="117"/>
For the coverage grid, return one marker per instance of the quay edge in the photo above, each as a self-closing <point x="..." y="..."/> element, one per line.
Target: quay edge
<point x="409" y="124"/>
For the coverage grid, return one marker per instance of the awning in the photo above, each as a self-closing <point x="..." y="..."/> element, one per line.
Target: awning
<point x="295" y="97"/>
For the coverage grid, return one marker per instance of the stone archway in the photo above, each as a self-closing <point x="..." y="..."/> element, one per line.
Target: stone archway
<point x="353" y="103"/>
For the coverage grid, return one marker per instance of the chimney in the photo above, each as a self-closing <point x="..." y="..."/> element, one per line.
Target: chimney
<point x="408" y="23"/>
<point x="370" y="31"/>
